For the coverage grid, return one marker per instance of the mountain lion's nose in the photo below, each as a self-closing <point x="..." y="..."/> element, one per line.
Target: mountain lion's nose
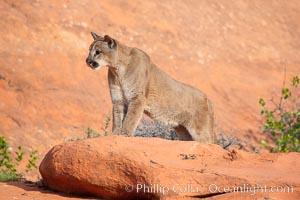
<point x="88" y="61"/>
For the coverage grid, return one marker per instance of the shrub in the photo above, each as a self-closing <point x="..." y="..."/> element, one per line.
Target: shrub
<point x="155" y="129"/>
<point x="283" y="122"/>
<point x="226" y="142"/>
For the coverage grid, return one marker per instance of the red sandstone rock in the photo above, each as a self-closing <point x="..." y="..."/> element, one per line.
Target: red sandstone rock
<point x="234" y="51"/>
<point x="155" y="168"/>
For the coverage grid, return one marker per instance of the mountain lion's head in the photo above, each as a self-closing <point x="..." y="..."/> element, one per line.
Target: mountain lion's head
<point x="102" y="52"/>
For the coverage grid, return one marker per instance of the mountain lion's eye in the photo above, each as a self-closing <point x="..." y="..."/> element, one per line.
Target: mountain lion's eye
<point x="97" y="52"/>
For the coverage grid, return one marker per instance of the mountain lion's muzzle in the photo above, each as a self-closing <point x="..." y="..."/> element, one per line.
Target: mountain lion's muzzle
<point x="92" y="64"/>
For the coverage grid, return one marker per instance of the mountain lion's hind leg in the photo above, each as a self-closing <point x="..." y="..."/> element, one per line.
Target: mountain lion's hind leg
<point x="202" y="130"/>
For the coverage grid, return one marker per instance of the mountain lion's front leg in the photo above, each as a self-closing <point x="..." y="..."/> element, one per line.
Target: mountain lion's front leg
<point x="118" y="110"/>
<point x="134" y="115"/>
<point x="118" y="116"/>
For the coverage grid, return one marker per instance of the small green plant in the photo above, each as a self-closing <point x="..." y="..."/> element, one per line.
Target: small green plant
<point x="105" y="129"/>
<point x="32" y="161"/>
<point x="8" y="171"/>
<point x="20" y="154"/>
<point x="90" y="133"/>
<point x="8" y="167"/>
<point x="283" y="122"/>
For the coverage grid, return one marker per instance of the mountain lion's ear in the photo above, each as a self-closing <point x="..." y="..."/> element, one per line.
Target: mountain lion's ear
<point x="110" y="42"/>
<point x="95" y="36"/>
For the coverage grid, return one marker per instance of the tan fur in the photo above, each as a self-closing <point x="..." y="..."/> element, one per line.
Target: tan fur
<point x="138" y="86"/>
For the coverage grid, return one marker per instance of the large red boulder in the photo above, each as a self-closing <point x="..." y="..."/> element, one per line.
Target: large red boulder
<point x="116" y="167"/>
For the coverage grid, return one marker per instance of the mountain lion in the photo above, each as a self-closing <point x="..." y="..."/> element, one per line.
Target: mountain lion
<point x="138" y="86"/>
